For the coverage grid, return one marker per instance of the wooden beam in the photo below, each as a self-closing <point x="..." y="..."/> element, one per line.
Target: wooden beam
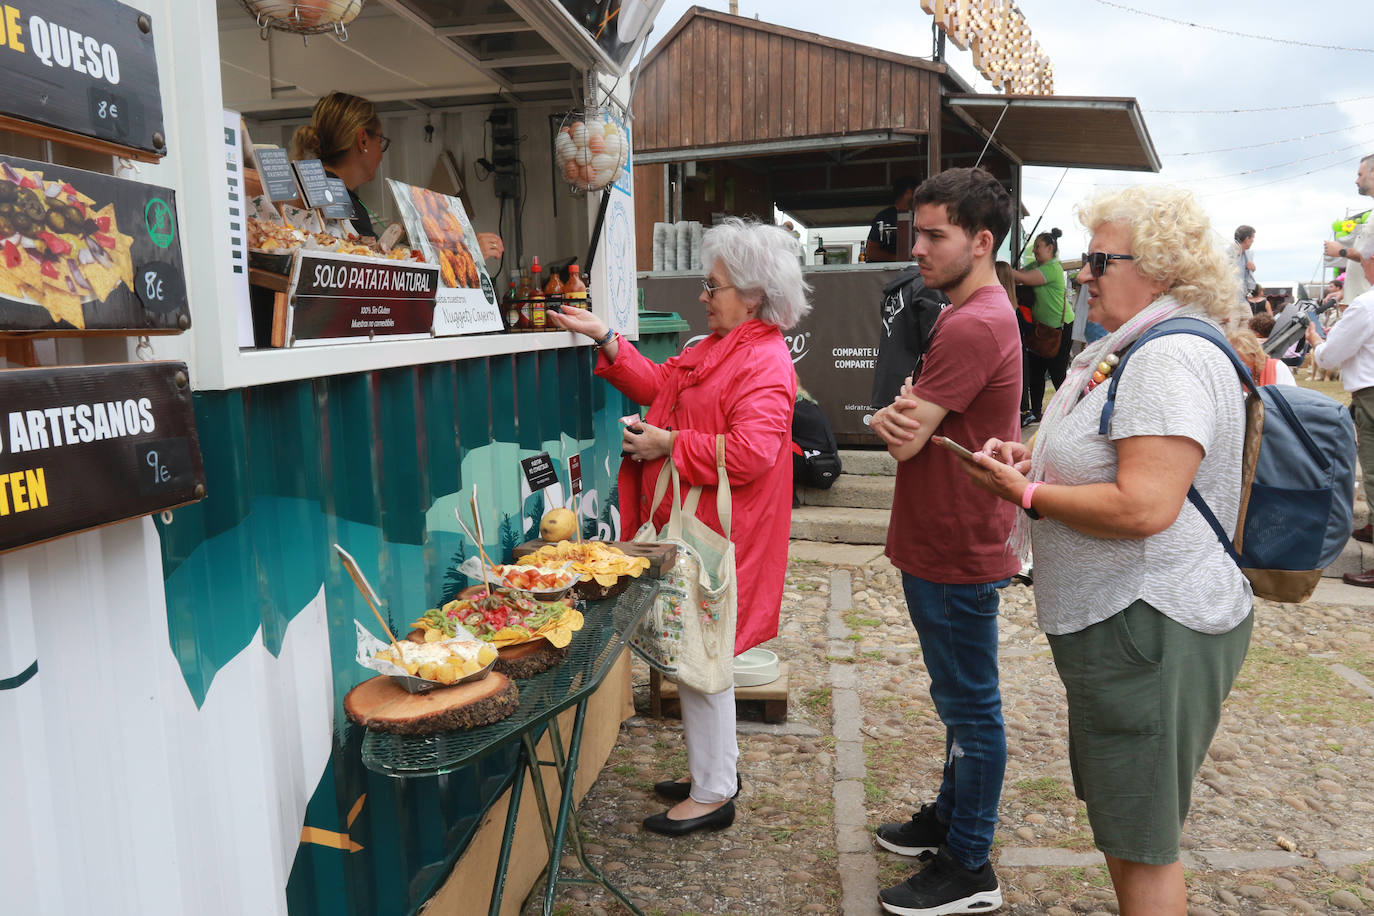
<point x="81" y="141"/>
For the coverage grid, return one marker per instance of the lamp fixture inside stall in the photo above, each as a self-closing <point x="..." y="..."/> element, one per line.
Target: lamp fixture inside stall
<point x="305" y="17"/>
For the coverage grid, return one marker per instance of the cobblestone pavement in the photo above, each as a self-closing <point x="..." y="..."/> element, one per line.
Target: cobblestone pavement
<point x="1283" y="811"/>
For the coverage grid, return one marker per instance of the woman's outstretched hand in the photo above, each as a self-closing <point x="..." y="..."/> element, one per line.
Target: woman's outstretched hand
<point x="582" y="321"/>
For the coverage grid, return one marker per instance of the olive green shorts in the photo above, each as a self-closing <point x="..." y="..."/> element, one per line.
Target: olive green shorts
<point x="1144" y="695"/>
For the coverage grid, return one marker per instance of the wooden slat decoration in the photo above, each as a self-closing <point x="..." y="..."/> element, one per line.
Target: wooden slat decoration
<point x="843" y="98"/>
<point x="737" y="91"/>
<point x="916" y="97"/>
<point x="856" y="91"/>
<point x="882" y="94"/>
<point x="800" y="77"/>
<point x="815" y="108"/>
<point x="751" y="76"/>
<point x="829" y="99"/>
<point x="708" y="88"/>
<point x="727" y="76"/>
<point x="778" y="87"/>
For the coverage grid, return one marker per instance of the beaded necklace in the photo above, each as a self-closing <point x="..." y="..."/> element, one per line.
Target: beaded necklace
<point x="1103" y="371"/>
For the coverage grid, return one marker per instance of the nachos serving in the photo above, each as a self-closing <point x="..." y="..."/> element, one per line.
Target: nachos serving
<point x="59" y="249"/>
<point x="502" y="620"/>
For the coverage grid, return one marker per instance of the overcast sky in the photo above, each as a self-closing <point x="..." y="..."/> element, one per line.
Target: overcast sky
<point x="1291" y="191"/>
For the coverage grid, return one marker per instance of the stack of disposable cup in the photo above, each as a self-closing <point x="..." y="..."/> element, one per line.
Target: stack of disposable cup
<point x="660" y="237"/>
<point x="669" y="246"/>
<point x="684" y="244"/>
<point x="697" y="231"/>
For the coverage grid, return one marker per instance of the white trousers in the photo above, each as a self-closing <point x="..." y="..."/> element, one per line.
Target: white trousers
<point x="708" y="726"/>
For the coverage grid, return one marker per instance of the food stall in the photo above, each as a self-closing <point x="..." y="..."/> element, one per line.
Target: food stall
<point x="173" y="668"/>
<point x="820" y="128"/>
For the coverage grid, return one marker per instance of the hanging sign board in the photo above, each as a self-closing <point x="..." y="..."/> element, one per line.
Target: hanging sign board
<point x="84" y="446"/>
<point x="575" y="475"/>
<point x="275" y="173"/>
<point x="439" y="226"/>
<point x="337" y="297"/>
<point x="83" y="66"/>
<point x="82" y="252"/>
<point x="539" y="471"/>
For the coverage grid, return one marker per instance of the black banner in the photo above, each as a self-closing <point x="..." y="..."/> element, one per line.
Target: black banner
<point x="337" y="296"/>
<point x="539" y="471"/>
<point x="81" y="251"/>
<point x="84" y="446"/>
<point x="834" y="349"/>
<point x="86" y="66"/>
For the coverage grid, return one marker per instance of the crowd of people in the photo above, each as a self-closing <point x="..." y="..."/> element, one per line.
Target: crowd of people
<point x="1148" y="615"/>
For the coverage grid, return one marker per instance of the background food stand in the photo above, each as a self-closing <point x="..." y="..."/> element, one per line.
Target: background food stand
<point x="182" y="739"/>
<point x="739" y="116"/>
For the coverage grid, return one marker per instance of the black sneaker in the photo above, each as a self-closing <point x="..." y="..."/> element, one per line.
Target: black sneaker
<point x="920" y="837"/>
<point x="942" y="887"/>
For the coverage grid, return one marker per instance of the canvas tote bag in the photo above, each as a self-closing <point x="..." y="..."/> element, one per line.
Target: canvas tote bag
<point x="689" y="633"/>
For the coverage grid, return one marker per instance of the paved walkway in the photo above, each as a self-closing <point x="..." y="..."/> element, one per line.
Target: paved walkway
<point x="1283" y="813"/>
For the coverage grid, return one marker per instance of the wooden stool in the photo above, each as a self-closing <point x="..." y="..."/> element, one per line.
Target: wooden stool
<point x="663" y="698"/>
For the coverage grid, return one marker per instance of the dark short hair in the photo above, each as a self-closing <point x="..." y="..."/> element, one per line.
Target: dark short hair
<point x="973" y="199"/>
<point x="901" y="186"/>
<point x="1262" y="324"/>
<point x="1244" y="232"/>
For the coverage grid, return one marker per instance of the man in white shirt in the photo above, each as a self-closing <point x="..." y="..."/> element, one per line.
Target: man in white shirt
<point x="1350" y="347"/>
<point x="1360" y="250"/>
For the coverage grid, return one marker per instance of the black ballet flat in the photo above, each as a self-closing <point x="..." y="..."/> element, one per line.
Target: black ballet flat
<point x="718" y="819"/>
<point x="675" y="790"/>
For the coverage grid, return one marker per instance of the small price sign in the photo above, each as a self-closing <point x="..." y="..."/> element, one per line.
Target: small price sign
<point x="161" y="287"/>
<point x="575" y="475"/>
<point x="539" y="471"/>
<point x="110" y="112"/>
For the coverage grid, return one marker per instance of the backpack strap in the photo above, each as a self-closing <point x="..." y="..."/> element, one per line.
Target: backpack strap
<point x="1198" y="328"/>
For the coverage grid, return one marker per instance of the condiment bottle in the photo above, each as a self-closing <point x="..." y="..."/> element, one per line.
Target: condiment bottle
<point x="510" y="307"/>
<point x="553" y="292"/>
<point x="522" y="303"/>
<point x="538" y="318"/>
<point x="575" y="291"/>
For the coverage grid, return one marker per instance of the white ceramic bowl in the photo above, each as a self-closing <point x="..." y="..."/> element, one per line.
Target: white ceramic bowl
<point x="755" y="667"/>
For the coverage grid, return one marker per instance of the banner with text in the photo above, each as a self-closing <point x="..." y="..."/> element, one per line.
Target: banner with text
<point x="336" y="297"/>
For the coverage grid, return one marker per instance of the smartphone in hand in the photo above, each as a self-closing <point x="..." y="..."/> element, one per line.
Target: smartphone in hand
<point x="953" y="446"/>
<point x="632" y="423"/>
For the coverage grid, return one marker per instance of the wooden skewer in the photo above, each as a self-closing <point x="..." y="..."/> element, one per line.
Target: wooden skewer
<point x="486" y="561"/>
<point x="355" y="574"/>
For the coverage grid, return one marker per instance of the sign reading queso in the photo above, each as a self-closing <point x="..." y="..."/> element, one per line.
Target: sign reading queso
<point x="84" y="446"/>
<point x="84" y="66"/>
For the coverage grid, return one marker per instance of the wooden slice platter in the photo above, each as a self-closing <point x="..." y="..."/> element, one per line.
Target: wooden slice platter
<point x="527" y="659"/>
<point x="383" y="705"/>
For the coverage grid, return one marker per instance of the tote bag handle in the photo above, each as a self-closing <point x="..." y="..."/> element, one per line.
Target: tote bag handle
<point x="724" y="501"/>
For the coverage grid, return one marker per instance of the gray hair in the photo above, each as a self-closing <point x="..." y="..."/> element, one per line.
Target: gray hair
<point x="761" y="261"/>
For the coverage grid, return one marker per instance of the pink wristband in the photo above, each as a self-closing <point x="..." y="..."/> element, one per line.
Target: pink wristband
<point x="1028" y="492"/>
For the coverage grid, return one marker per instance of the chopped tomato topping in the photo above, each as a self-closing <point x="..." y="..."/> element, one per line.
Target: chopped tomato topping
<point x="13" y="256"/>
<point x="49" y="269"/>
<point x="56" y="244"/>
<point x="104" y="240"/>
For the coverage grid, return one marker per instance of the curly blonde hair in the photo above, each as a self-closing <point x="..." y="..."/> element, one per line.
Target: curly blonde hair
<point x="1247" y="347"/>
<point x="1171" y="239"/>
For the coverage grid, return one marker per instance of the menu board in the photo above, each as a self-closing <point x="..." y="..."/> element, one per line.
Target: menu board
<point x="275" y="173"/>
<point x="438" y="225"/>
<point x="314" y="183"/>
<point x="338" y="297"/>
<point x="84" y="446"/>
<point x="85" y="252"/>
<point x="85" y="66"/>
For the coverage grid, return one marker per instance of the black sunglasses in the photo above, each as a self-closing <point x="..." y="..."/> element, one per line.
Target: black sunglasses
<point x="385" y="140"/>
<point x="1097" y="261"/>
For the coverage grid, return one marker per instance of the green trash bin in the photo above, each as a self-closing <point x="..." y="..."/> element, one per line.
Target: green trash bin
<point x="660" y="334"/>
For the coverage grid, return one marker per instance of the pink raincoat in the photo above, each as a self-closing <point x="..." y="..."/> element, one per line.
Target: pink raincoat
<point x="742" y="385"/>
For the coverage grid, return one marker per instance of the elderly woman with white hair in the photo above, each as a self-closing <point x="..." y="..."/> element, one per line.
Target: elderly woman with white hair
<point x="739" y="382"/>
<point x="1147" y="616"/>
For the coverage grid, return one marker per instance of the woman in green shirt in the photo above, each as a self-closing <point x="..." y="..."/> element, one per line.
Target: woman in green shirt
<point x="1051" y="307"/>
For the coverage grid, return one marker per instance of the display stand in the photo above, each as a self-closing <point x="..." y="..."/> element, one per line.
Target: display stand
<point x="594" y="650"/>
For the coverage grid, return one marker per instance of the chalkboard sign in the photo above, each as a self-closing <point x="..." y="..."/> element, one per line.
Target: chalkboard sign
<point x="335" y="297"/>
<point x="274" y="171"/>
<point x="342" y="206"/>
<point x="82" y="252"/>
<point x="84" y="446"/>
<point x="575" y="475"/>
<point x="84" y="67"/>
<point x="539" y="471"/>
<point x="314" y="183"/>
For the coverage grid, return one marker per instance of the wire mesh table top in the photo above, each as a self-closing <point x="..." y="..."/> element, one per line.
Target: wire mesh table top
<point x="607" y="625"/>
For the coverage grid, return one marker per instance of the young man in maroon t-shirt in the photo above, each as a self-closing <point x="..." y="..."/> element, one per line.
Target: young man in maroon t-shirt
<point x="948" y="537"/>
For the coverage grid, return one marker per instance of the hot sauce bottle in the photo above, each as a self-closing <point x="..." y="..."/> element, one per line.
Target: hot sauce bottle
<point x="510" y="307"/>
<point x="575" y="291"/>
<point x="538" y="318"/>
<point x="522" y="304"/>
<point x="553" y="293"/>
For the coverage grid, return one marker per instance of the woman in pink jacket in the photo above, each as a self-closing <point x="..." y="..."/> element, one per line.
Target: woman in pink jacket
<point x="739" y="381"/>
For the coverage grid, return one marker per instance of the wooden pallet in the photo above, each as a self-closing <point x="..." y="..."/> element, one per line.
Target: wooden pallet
<point x="663" y="698"/>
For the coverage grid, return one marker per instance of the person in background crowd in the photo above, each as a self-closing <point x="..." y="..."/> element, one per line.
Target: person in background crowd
<point x="738" y="382"/>
<point x="1051" y="308"/>
<point x="949" y="539"/>
<point x="882" y="235"/>
<point x="1148" y="618"/>
<point x="345" y="134"/>
<point x="1258" y="301"/>
<point x="1350" y="347"/>
<point x="1264" y="369"/>
<point x="1360" y="248"/>
<point x="1245" y="263"/>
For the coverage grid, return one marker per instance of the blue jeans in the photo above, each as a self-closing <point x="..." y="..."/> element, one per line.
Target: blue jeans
<point x="957" y="626"/>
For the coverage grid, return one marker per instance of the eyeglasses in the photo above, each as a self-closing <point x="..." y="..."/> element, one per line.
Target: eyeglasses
<point x="1097" y="261"/>
<point x="712" y="290"/>
<point x="386" y="141"/>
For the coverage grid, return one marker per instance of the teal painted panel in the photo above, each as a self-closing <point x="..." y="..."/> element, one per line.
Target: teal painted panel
<point x="377" y="462"/>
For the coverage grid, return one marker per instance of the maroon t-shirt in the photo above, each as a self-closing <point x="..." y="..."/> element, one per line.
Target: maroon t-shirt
<point x="943" y="528"/>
